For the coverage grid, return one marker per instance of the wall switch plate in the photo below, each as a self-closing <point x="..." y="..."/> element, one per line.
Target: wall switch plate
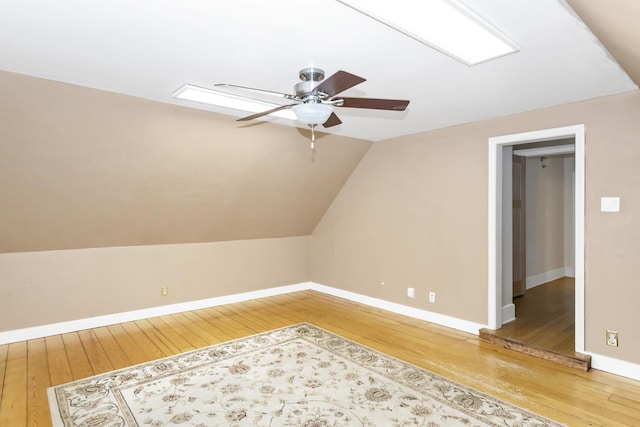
<point x="411" y="292"/>
<point x="612" y="338"/>
<point x="610" y="204"/>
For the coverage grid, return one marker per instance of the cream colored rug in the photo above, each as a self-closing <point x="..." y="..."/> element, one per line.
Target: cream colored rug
<point x="295" y="376"/>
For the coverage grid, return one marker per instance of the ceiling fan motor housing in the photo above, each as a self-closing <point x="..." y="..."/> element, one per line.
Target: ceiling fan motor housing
<point x="311" y="77"/>
<point x="311" y="74"/>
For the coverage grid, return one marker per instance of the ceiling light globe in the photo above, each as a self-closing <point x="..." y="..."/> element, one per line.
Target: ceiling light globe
<point x="312" y="113"/>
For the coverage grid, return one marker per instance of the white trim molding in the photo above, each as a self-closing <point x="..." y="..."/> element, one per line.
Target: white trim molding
<point x="7" y="337"/>
<point x="546" y="277"/>
<point x="496" y="145"/>
<point x="546" y="151"/>
<point x="615" y="366"/>
<point x="603" y="363"/>
<point x="508" y="313"/>
<point x="440" y="319"/>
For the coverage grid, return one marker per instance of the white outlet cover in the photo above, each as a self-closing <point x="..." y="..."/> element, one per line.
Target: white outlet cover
<point x="411" y="292"/>
<point x="610" y="204"/>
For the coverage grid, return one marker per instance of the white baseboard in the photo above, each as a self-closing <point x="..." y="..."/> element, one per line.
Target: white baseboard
<point x="508" y="313"/>
<point x="570" y="272"/>
<point x="7" y="337"/>
<point x="615" y="366"/>
<point x="603" y="363"/>
<point x="440" y="319"/>
<point x="546" y="277"/>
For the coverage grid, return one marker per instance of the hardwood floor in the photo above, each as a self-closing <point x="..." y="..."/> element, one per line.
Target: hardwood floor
<point x="566" y="395"/>
<point x="545" y="317"/>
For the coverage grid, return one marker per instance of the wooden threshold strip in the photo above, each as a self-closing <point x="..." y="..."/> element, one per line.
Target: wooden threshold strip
<point x="576" y="360"/>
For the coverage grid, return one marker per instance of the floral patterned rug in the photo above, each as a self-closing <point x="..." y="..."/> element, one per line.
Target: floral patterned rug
<point x="295" y="376"/>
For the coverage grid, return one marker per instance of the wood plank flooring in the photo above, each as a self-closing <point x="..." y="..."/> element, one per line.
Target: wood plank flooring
<point x="545" y="317"/>
<point x="544" y="325"/>
<point x="593" y="398"/>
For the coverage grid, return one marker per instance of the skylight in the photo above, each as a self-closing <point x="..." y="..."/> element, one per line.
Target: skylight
<point x="207" y="96"/>
<point x="446" y="25"/>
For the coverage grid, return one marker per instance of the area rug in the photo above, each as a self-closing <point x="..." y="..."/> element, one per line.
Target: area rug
<point x="295" y="376"/>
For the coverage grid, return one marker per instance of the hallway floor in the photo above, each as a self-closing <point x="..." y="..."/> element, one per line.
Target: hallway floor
<point x="545" y="317"/>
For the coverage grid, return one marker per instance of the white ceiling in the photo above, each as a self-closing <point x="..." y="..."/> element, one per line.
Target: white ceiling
<point x="149" y="48"/>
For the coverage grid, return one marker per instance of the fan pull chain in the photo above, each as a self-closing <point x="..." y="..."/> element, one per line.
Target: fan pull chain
<point x="313" y="137"/>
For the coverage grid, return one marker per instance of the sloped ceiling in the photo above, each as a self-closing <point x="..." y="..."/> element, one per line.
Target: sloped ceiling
<point x="615" y="23"/>
<point x="94" y="151"/>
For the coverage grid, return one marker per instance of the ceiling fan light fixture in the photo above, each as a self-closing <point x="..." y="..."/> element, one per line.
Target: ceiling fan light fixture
<point x="312" y="113"/>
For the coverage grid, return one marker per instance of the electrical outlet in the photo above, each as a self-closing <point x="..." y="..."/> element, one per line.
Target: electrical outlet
<point x="164" y="291"/>
<point x="411" y="292"/>
<point x="612" y="338"/>
<point x="432" y="297"/>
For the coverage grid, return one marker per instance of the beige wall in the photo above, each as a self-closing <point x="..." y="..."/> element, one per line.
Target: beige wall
<point x="46" y="287"/>
<point x="545" y="215"/>
<point x="83" y="168"/>
<point x="173" y="196"/>
<point x="414" y="213"/>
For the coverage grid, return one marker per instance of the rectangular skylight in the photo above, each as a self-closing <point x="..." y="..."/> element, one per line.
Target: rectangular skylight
<point x="446" y="25"/>
<point x="213" y="97"/>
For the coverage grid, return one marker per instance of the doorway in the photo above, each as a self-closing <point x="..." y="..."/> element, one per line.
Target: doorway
<point x="500" y="305"/>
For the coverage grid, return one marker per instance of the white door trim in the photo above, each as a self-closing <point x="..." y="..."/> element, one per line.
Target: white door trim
<point x="495" y="219"/>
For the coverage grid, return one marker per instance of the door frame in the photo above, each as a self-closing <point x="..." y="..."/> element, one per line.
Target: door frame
<point x="496" y="145"/>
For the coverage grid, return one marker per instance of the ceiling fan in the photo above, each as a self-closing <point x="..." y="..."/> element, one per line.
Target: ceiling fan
<point x="315" y="98"/>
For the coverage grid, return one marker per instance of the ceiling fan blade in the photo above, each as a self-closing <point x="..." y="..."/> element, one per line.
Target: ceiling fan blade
<point x="264" y="113"/>
<point x="374" y="104"/>
<point x="333" y="120"/>
<point x="338" y="82"/>
<point x="265" y="92"/>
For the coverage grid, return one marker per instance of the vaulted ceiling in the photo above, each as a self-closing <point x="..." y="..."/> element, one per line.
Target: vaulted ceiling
<point x="95" y="151"/>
